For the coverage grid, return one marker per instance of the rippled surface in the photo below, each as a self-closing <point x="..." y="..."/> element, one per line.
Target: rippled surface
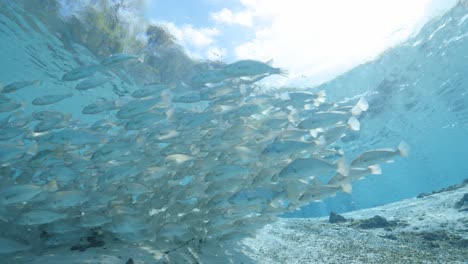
<point x="417" y="91"/>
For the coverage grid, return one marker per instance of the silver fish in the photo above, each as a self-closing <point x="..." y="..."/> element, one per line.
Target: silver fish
<point x="117" y="58"/>
<point x="312" y="167"/>
<point x="50" y="99"/>
<point x="91" y="83"/>
<point x="377" y="156"/>
<point x="39" y="217"/>
<point x="81" y="72"/>
<point x="8" y="246"/>
<point x="250" y="68"/>
<point x="12" y="87"/>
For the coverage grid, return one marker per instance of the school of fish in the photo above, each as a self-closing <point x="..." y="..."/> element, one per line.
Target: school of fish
<point x="192" y="164"/>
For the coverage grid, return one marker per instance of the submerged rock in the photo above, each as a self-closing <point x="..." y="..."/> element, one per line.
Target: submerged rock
<point x="336" y="218"/>
<point x="375" y="222"/>
<point x="462" y="205"/>
<point x="446" y="189"/>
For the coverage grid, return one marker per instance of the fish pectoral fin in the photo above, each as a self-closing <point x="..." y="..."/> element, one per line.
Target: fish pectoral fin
<point x="354" y="124"/>
<point x="342" y="167"/>
<point x="346" y="186"/>
<point x="403" y="149"/>
<point x="375" y="169"/>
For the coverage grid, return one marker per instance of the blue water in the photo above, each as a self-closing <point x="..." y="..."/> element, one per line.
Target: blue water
<point x="417" y="92"/>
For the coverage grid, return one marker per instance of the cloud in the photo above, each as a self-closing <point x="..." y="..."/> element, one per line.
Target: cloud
<point x="188" y="35"/>
<point x="198" y="42"/>
<point x="226" y="16"/>
<point x="317" y="40"/>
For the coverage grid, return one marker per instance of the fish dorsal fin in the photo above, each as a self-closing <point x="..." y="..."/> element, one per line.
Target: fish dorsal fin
<point x="269" y="62"/>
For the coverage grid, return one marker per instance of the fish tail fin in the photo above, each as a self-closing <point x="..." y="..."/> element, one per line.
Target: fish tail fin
<point x="375" y="169"/>
<point x="314" y="133"/>
<point x="67" y="116"/>
<point x="282" y="72"/>
<point x="141" y="58"/>
<point x="346" y="186"/>
<point x="403" y="149"/>
<point x="321" y="94"/>
<point x="354" y="124"/>
<point x="338" y="177"/>
<point x="320" y="141"/>
<point x="342" y="167"/>
<point x="321" y="97"/>
<point x="361" y="106"/>
<point x="170" y="114"/>
<point x="32" y="150"/>
<point x="52" y="186"/>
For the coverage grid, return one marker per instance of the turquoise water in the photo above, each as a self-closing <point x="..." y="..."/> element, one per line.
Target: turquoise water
<point x="194" y="169"/>
<point x="416" y="91"/>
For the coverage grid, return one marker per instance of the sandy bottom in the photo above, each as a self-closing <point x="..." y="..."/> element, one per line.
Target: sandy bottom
<point x="419" y="230"/>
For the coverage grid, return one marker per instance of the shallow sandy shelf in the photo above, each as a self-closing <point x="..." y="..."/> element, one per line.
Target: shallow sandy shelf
<point x="426" y="230"/>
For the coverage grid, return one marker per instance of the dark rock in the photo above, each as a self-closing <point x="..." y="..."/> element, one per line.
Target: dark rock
<point x="336" y="218"/>
<point x="435" y="236"/>
<point x="463" y="243"/>
<point x="433" y="245"/>
<point x="375" y="222"/>
<point x="422" y="195"/>
<point x="390" y="236"/>
<point x="463" y="202"/>
<point x="95" y="241"/>
<point x="449" y="188"/>
<point x="129" y="261"/>
<point x="79" y="248"/>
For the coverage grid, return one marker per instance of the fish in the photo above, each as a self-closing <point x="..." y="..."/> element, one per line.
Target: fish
<point x="39" y="217"/>
<point x="50" y="99"/>
<point x="65" y="199"/>
<point x="10" y="106"/>
<point x="13" y="87"/>
<point x="373" y="157"/>
<point x="52" y="123"/>
<point x="209" y="76"/>
<point x="189" y="97"/>
<point x="136" y="107"/>
<point x="282" y="147"/>
<point x="76" y="137"/>
<point x="99" y="107"/>
<point x="19" y="193"/>
<point x="89" y="220"/>
<point x="11" y="152"/>
<point x="303" y="168"/>
<point x="145" y="120"/>
<point x="153" y="90"/>
<point x="354" y="174"/>
<point x="117" y="58"/>
<point x="81" y="72"/>
<point x="10" y="132"/>
<point x="91" y="83"/>
<point x="250" y="68"/>
<point x="324" y="119"/>
<point x="8" y="246"/>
